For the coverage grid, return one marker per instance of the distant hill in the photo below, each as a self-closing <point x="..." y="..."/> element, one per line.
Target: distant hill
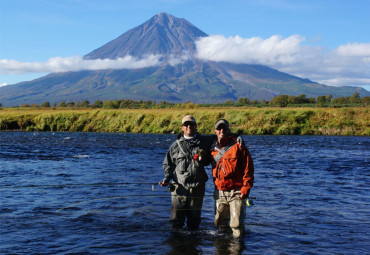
<point x="193" y="80"/>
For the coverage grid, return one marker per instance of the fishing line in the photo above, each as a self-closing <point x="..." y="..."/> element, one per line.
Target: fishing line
<point x="247" y="200"/>
<point x="153" y="184"/>
<point x="141" y="210"/>
<point x="170" y="188"/>
<point x="71" y="185"/>
<point x="105" y="198"/>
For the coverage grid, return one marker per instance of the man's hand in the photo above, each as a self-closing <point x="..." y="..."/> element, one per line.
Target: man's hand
<point x="242" y="196"/>
<point x="239" y="139"/>
<point x="163" y="183"/>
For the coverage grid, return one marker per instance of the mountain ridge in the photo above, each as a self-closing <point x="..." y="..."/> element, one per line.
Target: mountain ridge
<point x="162" y="34"/>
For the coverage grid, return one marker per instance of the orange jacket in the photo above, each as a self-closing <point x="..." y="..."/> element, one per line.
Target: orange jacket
<point x="234" y="170"/>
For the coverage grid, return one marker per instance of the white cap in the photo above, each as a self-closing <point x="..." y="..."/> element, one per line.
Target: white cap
<point x="188" y="118"/>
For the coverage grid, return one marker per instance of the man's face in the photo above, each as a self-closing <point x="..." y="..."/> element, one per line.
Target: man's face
<point x="222" y="132"/>
<point x="189" y="128"/>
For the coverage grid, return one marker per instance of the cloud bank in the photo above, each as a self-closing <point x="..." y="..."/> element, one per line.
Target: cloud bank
<point x="346" y="65"/>
<point x="77" y="63"/>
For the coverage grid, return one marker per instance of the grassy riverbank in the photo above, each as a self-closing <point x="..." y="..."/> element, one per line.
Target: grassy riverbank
<point x="248" y="121"/>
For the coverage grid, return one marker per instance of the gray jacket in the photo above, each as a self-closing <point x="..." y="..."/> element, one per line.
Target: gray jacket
<point x="179" y="164"/>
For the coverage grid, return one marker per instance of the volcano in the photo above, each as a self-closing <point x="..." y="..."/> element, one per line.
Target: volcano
<point x="178" y="77"/>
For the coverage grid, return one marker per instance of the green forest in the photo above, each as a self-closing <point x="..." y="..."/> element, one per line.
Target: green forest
<point x="278" y="101"/>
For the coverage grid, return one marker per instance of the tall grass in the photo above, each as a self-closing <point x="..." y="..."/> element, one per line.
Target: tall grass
<point x="249" y="121"/>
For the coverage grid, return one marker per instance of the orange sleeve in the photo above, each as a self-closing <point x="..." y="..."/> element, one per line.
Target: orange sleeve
<point x="248" y="176"/>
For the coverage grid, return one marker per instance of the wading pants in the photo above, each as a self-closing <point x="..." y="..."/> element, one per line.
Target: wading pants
<point x="229" y="210"/>
<point x="186" y="204"/>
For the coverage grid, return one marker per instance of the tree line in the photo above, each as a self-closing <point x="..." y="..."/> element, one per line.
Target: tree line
<point x="278" y="101"/>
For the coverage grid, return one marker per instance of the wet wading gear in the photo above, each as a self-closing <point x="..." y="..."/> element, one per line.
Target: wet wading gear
<point x="186" y="203"/>
<point x="233" y="174"/>
<point x="189" y="176"/>
<point x="229" y="207"/>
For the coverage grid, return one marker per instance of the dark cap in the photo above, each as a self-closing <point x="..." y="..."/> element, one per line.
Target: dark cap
<point x="222" y="122"/>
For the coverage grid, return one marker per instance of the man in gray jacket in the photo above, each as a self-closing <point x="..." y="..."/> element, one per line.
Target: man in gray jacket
<point x="184" y="164"/>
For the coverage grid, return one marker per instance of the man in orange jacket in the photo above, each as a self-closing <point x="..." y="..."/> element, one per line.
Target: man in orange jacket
<point x="233" y="176"/>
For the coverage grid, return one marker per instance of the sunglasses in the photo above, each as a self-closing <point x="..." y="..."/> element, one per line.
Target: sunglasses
<point x="221" y="127"/>
<point x="188" y="123"/>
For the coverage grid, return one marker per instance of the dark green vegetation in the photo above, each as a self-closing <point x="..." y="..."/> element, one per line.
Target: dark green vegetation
<point x="279" y="101"/>
<point x="244" y="120"/>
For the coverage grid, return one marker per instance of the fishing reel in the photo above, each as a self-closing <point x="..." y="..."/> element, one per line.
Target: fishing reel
<point x="171" y="188"/>
<point x="249" y="201"/>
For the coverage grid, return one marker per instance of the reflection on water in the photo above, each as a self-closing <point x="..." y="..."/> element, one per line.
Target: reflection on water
<point x="229" y="246"/>
<point x="94" y="193"/>
<point x="184" y="243"/>
<point x="192" y="242"/>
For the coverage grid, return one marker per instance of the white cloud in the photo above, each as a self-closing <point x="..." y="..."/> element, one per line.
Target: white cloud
<point x="354" y="50"/>
<point x="175" y="60"/>
<point x="346" y="81"/>
<point x="347" y="65"/>
<point x="58" y="64"/>
<point x="255" y="50"/>
<point x="3" y="84"/>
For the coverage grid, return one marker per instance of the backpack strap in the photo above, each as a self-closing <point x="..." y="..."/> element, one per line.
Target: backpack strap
<point x="180" y="146"/>
<point x="184" y="148"/>
<point x="222" y="151"/>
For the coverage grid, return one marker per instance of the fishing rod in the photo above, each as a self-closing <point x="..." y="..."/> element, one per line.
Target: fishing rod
<point x="68" y="185"/>
<point x="171" y="186"/>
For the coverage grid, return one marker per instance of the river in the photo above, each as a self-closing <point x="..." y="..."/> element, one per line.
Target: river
<point x="96" y="193"/>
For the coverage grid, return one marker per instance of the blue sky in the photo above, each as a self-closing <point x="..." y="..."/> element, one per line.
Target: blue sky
<point x="323" y="40"/>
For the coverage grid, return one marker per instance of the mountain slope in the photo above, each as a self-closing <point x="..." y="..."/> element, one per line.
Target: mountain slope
<point x="163" y="34"/>
<point x="193" y="80"/>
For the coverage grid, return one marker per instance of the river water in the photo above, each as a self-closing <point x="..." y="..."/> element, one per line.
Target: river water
<point x="95" y="193"/>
